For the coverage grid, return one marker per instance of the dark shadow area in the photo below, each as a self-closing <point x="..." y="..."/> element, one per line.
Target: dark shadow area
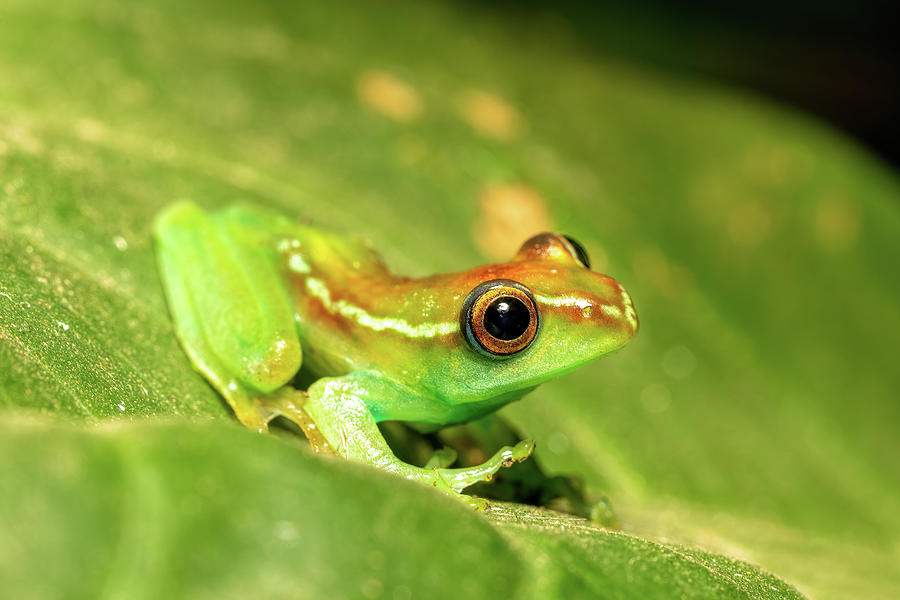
<point x="836" y="60"/>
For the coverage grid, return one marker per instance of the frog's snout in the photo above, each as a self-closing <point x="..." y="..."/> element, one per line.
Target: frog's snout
<point x="614" y="318"/>
<point x="600" y="309"/>
<point x="613" y="310"/>
<point x="627" y="307"/>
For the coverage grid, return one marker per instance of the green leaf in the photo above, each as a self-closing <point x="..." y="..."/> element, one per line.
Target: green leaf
<point x="180" y="511"/>
<point x="754" y="416"/>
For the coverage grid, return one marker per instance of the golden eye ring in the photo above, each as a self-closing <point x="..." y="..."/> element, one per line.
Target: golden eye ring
<point x="500" y="318"/>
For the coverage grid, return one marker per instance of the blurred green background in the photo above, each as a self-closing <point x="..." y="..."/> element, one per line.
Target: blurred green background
<point x="753" y="419"/>
<point x="837" y="60"/>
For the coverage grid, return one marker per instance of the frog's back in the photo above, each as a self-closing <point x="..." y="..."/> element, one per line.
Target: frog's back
<point x="331" y="280"/>
<point x="303" y="243"/>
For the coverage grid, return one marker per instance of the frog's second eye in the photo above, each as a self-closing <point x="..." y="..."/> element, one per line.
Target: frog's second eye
<point x="500" y="318"/>
<point x="578" y="251"/>
<point x="553" y="246"/>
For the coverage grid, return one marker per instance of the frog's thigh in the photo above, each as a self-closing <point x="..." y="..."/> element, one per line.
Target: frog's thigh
<point x="337" y="406"/>
<point x="230" y="308"/>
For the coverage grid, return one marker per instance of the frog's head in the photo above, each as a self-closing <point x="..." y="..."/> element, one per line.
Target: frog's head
<point x="540" y="315"/>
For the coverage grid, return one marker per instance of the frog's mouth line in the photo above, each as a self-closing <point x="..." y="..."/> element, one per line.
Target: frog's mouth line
<point x="516" y="381"/>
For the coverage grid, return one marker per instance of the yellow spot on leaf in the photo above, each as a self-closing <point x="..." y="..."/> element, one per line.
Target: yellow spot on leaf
<point x="837" y="223"/>
<point x="508" y="215"/>
<point x="489" y="115"/>
<point x="389" y="95"/>
<point x="19" y="134"/>
<point x="90" y="130"/>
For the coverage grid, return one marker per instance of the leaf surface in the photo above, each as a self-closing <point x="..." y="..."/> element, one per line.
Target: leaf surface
<point x="754" y="416"/>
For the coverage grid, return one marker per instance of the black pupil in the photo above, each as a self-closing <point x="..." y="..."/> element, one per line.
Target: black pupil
<point x="506" y="318"/>
<point x="581" y="253"/>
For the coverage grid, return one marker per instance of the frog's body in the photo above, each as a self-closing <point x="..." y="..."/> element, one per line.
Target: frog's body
<point x="256" y="296"/>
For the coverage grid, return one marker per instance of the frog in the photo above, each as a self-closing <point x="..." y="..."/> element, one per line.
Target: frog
<point x="261" y="301"/>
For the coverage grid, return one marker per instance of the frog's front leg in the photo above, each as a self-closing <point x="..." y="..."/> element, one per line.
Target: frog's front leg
<point x="337" y="407"/>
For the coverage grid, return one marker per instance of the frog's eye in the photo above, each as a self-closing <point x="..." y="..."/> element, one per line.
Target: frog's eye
<point x="500" y="318"/>
<point x="578" y="251"/>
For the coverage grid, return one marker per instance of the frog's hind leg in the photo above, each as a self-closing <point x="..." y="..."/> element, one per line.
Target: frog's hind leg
<point x="230" y="309"/>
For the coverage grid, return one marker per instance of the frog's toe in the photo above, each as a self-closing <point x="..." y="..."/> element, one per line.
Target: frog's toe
<point x="601" y="512"/>
<point x="441" y="459"/>
<point x="475" y="503"/>
<point x="521" y="451"/>
<point x="518" y="453"/>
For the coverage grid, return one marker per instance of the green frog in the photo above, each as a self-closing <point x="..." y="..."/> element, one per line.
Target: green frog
<point x="255" y="296"/>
